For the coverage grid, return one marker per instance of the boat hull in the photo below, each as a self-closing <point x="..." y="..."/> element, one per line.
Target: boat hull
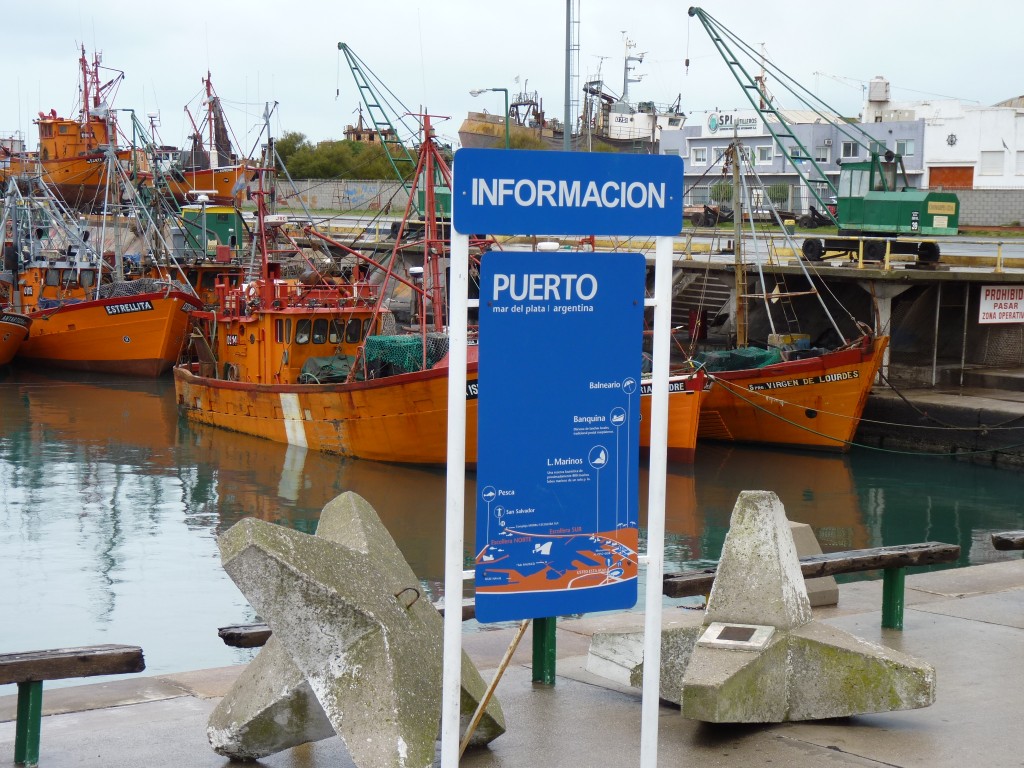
<point x="14" y="329"/>
<point x="80" y="181"/>
<point x="401" y="419"/>
<point x="813" y="403"/>
<point x="223" y="186"/>
<point x="139" y="335"/>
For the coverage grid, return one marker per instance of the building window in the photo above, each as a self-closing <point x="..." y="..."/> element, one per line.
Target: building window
<point x="877" y="147"/>
<point x="992" y="163"/>
<point x="765" y="154"/>
<point x="822" y="154"/>
<point x="672" y="152"/>
<point x="719" y="152"/>
<point x="1020" y="163"/>
<point x="700" y="155"/>
<point x="905" y="147"/>
<point x="850" y="149"/>
<point x="795" y="152"/>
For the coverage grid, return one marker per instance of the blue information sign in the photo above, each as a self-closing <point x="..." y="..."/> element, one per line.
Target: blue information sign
<point x="503" y="191"/>
<point x="558" y="433"/>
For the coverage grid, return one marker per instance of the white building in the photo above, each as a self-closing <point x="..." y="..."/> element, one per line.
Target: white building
<point x="966" y="146"/>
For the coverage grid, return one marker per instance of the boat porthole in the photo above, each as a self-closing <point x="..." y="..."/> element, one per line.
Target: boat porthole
<point x="252" y="338"/>
<point x="126" y="339"/>
<point x="810" y="413"/>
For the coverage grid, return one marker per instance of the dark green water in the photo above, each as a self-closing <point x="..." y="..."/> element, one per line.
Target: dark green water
<point x="109" y="509"/>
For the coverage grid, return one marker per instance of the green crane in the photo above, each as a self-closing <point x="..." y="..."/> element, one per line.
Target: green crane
<point x="875" y="202"/>
<point x="374" y="96"/>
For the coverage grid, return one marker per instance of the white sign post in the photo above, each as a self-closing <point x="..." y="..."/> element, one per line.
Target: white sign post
<point x="577" y="194"/>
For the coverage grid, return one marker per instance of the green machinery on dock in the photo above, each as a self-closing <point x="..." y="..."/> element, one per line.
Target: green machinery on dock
<point x="874" y="207"/>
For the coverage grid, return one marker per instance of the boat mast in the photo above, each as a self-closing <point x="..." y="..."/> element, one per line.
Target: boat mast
<point x="84" y="64"/>
<point x="431" y="239"/>
<point x="571" y="26"/>
<point x="210" y="142"/>
<point x="737" y="215"/>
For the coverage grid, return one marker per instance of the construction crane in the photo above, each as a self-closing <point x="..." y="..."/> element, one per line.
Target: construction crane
<point x="375" y="96"/>
<point x="875" y="203"/>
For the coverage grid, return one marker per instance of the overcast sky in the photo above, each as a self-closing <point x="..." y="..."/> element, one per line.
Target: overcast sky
<point x="430" y="54"/>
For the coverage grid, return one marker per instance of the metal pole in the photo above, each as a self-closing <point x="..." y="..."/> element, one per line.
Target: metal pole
<point x="544" y="650"/>
<point x="740" y="277"/>
<point x="567" y="112"/>
<point x="892" y="598"/>
<point x="29" y="722"/>
<point x="963" y="345"/>
<point x="657" y="470"/>
<point x="505" y="91"/>
<point x="935" y="335"/>
<point x="455" y="504"/>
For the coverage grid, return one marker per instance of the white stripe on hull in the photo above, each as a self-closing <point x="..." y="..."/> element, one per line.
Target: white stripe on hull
<point x="294" y="427"/>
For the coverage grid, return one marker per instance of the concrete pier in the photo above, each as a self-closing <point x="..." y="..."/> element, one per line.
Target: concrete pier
<point x="968" y="622"/>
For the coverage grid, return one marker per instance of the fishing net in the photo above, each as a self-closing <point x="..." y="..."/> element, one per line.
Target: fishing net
<point x="739" y="359"/>
<point x="326" y="370"/>
<point x="404" y="354"/>
<point x="140" y="286"/>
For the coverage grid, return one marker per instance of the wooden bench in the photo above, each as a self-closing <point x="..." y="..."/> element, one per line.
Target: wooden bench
<point x="1008" y="540"/>
<point x="892" y="561"/>
<point x="30" y="669"/>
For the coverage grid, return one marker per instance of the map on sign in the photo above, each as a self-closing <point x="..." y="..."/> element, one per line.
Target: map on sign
<point x="558" y="440"/>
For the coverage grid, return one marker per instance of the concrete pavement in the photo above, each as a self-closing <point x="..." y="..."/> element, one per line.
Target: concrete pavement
<point x="967" y="622"/>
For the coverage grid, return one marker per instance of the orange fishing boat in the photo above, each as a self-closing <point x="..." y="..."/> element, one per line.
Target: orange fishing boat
<point x="140" y="334"/>
<point x="208" y="167"/>
<point x="82" y="318"/>
<point x="788" y="394"/>
<point x="318" y="364"/>
<point x="73" y="153"/>
<point x="815" y="402"/>
<point x="14" y="328"/>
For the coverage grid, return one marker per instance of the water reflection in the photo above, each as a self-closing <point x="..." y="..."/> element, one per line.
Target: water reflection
<point x="109" y="509"/>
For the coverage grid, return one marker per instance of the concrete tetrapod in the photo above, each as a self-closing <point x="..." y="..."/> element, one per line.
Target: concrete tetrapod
<point x="354" y="650"/>
<point x="759" y="657"/>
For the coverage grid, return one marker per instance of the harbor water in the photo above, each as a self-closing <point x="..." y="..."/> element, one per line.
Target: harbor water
<point x="110" y="507"/>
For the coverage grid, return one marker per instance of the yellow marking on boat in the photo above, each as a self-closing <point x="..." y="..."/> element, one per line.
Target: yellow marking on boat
<point x="293" y="422"/>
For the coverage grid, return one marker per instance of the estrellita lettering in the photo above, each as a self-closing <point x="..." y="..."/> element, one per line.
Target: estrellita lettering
<point x="529" y="193"/>
<point x="545" y="287"/>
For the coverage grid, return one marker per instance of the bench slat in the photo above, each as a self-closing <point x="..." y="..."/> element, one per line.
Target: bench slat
<point x="831" y="564"/>
<point x="62" y="663"/>
<point x="1008" y="540"/>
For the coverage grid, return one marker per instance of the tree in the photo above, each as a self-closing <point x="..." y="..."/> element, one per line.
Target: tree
<point x="332" y="159"/>
<point x="289" y="144"/>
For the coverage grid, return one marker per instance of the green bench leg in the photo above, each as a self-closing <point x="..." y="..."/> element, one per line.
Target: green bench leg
<point x="30" y="715"/>
<point x="892" y="598"/>
<point x="544" y="650"/>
